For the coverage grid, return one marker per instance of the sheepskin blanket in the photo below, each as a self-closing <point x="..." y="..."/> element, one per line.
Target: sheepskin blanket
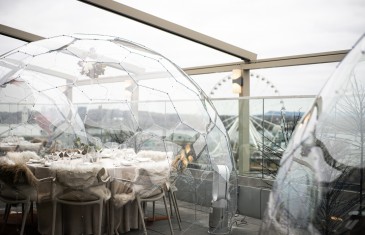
<point x="6" y="160"/>
<point x="13" y="174"/>
<point x="154" y="155"/>
<point x="22" y="157"/>
<point x="119" y="153"/>
<point x="82" y="179"/>
<point x="122" y="193"/>
<point x="150" y="181"/>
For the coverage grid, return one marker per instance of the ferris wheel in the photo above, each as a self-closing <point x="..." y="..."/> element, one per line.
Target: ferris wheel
<point x="260" y="86"/>
<point x="260" y="125"/>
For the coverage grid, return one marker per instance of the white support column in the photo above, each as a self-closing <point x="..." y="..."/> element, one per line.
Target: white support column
<point x="244" y="124"/>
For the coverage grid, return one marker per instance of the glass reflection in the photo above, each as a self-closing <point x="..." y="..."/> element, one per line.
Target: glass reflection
<point x="319" y="188"/>
<point x="85" y="99"/>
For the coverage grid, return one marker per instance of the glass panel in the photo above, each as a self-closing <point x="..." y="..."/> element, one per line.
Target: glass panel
<point x="319" y="188"/>
<point x="272" y="122"/>
<point x="82" y="102"/>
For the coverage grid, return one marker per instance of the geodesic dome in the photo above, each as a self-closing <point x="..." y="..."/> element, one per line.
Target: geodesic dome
<point x="319" y="188"/>
<point x="81" y="91"/>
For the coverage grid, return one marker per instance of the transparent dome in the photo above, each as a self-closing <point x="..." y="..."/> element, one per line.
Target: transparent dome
<point x="320" y="184"/>
<point x="70" y="94"/>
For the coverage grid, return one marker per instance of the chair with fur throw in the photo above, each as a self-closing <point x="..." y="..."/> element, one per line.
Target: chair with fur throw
<point x="81" y="186"/>
<point x="122" y="193"/>
<point x="18" y="185"/>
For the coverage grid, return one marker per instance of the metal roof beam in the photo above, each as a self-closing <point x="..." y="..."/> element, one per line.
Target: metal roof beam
<point x="18" y="34"/>
<point x="167" y="26"/>
<point x="306" y="59"/>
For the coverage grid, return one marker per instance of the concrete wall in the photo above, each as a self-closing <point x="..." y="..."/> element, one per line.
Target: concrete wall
<point x="252" y="201"/>
<point x="253" y="196"/>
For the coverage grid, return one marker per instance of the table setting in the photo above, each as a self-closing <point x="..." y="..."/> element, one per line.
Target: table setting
<point x="116" y="163"/>
<point x="144" y="169"/>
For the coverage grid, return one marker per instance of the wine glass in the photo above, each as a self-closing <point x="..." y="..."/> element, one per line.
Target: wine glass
<point x="91" y="152"/>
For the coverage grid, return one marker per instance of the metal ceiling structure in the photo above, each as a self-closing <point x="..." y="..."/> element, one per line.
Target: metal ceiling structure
<point x="167" y="26"/>
<point x="306" y="59"/>
<point x="18" y="34"/>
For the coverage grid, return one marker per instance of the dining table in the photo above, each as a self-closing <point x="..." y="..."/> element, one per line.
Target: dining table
<point x="118" y="163"/>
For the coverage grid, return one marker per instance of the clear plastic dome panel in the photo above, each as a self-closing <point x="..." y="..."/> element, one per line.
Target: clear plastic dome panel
<point x="44" y="46"/>
<point x="103" y="101"/>
<point x="186" y="110"/>
<point x="137" y="49"/>
<point x="219" y="150"/>
<point x="98" y="51"/>
<point x="182" y="134"/>
<point x="319" y="186"/>
<point x="13" y="60"/>
<point x="151" y="70"/>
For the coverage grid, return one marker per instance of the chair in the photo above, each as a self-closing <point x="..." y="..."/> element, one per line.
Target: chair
<point x="149" y="188"/>
<point x="121" y="193"/>
<point x="153" y="198"/>
<point x="173" y="202"/>
<point x="19" y="186"/>
<point x="81" y="188"/>
<point x="171" y="189"/>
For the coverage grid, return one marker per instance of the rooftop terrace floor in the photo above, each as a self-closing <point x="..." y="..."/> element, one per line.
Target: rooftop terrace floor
<point x="195" y="220"/>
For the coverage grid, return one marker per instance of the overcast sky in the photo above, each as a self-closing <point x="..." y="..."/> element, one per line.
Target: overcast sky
<point x="267" y="28"/>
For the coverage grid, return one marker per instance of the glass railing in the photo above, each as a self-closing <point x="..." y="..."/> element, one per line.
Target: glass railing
<point x="267" y="129"/>
<point x="258" y="135"/>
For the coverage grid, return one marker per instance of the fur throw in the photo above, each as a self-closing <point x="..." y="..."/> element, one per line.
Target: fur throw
<point x="22" y="157"/>
<point x="6" y="160"/>
<point x="122" y="193"/>
<point x="85" y="178"/>
<point x="101" y="191"/>
<point x="155" y="155"/>
<point x="12" y="174"/>
<point x="79" y="176"/>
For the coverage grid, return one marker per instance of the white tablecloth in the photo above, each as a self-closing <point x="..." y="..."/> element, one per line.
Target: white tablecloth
<point x="76" y="220"/>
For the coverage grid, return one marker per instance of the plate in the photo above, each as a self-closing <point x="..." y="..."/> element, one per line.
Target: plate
<point x="47" y="164"/>
<point x="143" y="159"/>
<point x="126" y="163"/>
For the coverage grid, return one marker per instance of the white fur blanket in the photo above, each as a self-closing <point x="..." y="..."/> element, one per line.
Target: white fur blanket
<point x="122" y="193"/>
<point x="83" y="177"/>
<point x="155" y="155"/>
<point x="22" y="157"/>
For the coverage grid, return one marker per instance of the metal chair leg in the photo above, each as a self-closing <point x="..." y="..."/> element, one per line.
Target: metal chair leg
<point x="153" y="211"/>
<point x="6" y="213"/>
<point x="141" y="212"/>
<point x="25" y="215"/>
<point x="54" y="205"/>
<point x="100" y="217"/>
<point x="176" y="206"/>
<point x="31" y="213"/>
<point x="168" y="215"/>
<point x="6" y="216"/>
<point x="170" y="201"/>
<point x="176" y="209"/>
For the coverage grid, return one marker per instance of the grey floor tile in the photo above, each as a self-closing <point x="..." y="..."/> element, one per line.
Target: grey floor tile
<point x="195" y="220"/>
